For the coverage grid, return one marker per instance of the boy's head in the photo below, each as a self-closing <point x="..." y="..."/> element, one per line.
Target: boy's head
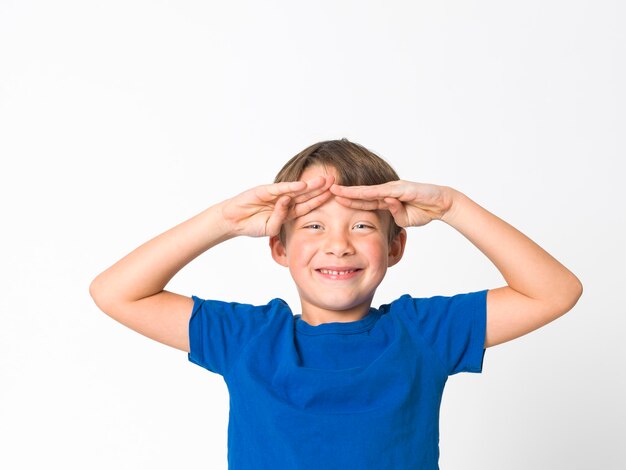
<point x="337" y="256"/>
<point x="354" y="165"/>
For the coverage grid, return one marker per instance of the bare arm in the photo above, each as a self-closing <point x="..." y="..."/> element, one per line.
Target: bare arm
<point x="539" y="288"/>
<point x="132" y="290"/>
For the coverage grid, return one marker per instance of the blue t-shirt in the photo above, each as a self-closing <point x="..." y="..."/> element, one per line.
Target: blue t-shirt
<point x="363" y="394"/>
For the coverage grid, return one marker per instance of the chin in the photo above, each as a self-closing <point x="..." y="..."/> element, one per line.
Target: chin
<point x="343" y="305"/>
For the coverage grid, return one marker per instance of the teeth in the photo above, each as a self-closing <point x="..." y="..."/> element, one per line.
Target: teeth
<point x="335" y="273"/>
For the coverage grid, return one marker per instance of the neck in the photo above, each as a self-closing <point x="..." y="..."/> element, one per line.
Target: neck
<point x="315" y="316"/>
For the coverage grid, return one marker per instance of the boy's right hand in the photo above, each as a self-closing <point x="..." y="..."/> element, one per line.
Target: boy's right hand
<point x="262" y="210"/>
<point x="132" y="290"/>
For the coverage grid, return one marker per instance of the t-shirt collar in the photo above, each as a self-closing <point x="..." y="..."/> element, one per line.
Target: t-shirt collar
<point x="352" y="327"/>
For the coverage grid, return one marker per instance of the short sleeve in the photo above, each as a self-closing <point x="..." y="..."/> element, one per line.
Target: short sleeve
<point x="218" y="331"/>
<point x="455" y="328"/>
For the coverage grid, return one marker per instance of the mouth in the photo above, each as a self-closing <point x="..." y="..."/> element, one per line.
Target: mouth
<point x="338" y="273"/>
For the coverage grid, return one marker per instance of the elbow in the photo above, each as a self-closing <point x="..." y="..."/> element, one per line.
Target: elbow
<point x="577" y="291"/>
<point x="97" y="291"/>
<point x="94" y="291"/>
<point x="105" y="293"/>
<point x="572" y="291"/>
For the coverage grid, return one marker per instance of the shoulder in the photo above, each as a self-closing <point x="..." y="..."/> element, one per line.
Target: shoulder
<point x="467" y="300"/>
<point x="274" y="304"/>
<point x="453" y="327"/>
<point x="219" y="331"/>
<point x="275" y="307"/>
<point x="433" y="310"/>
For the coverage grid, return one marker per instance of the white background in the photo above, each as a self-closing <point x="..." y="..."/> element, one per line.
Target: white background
<point x="120" y="119"/>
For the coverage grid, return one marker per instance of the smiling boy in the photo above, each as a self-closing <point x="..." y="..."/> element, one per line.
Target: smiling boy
<point x="341" y="384"/>
<point x="337" y="256"/>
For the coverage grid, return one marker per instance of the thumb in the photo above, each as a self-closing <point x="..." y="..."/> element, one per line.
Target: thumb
<point x="278" y="216"/>
<point x="398" y="211"/>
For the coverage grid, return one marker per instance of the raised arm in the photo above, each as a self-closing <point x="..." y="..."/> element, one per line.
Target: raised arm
<point x="539" y="288"/>
<point x="132" y="290"/>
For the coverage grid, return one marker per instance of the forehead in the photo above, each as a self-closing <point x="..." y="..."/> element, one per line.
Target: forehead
<point x="333" y="210"/>
<point x="331" y="206"/>
<point x="312" y="171"/>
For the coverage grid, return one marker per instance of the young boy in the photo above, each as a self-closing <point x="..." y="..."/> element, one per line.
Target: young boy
<point x="341" y="385"/>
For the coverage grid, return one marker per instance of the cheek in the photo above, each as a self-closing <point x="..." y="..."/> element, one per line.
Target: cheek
<point x="301" y="252"/>
<point x="375" y="250"/>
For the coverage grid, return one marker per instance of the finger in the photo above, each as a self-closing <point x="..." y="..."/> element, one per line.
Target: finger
<point x="313" y="191"/>
<point x="292" y="188"/>
<point x="289" y="188"/>
<point x="361" y="204"/>
<point x="278" y="216"/>
<point x="398" y="211"/>
<point x="318" y="182"/>
<point x="379" y="191"/>
<point x="304" y="207"/>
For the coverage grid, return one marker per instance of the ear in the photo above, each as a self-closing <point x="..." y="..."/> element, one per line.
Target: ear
<point x="279" y="252"/>
<point x="396" y="248"/>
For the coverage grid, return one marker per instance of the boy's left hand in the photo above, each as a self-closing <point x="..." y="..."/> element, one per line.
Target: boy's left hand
<point x="411" y="204"/>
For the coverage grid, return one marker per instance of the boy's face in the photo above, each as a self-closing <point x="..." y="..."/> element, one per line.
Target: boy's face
<point x="337" y="257"/>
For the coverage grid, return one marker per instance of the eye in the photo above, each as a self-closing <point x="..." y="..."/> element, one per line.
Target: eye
<point x="313" y="226"/>
<point x="363" y="226"/>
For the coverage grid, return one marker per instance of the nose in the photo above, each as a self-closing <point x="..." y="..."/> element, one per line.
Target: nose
<point x="338" y="244"/>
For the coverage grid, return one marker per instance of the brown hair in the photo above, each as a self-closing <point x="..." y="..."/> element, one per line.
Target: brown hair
<point x="355" y="166"/>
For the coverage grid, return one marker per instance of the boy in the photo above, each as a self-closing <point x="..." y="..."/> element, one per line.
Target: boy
<point x="341" y="385"/>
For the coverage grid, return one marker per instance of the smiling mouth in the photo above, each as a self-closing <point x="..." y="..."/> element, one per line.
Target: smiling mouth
<point x="333" y="272"/>
<point x="336" y="273"/>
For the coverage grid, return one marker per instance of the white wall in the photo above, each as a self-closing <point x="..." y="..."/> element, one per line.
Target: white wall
<point x="120" y="119"/>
